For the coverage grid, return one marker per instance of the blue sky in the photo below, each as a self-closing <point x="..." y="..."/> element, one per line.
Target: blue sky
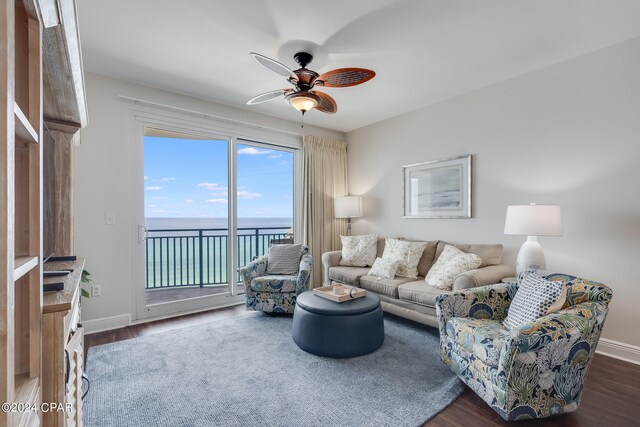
<point x="187" y="178"/>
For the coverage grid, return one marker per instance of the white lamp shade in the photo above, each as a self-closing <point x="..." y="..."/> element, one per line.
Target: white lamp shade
<point x="533" y="220"/>
<point x="348" y="207"/>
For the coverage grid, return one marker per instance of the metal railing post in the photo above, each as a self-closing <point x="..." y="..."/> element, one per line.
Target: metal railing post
<point x="257" y="248"/>
<point x="201" y="258"/>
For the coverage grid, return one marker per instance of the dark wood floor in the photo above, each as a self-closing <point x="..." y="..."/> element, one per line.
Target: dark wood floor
<point x="611" y="396"/>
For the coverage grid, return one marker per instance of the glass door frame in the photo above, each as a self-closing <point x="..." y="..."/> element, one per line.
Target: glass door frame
<point x="297" y="188"/>
<point x="206" y="127"/>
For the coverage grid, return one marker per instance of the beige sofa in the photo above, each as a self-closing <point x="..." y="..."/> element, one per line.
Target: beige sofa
<point x="414" y="299"/>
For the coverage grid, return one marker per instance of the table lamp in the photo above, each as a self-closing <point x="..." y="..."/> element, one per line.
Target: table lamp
<point x="532" y="221"/>
<point x="348" y="207"/>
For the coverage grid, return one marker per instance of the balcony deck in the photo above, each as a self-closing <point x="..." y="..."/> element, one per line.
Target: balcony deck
<point x="192" y="263"/>
<point x="162" y="295"/>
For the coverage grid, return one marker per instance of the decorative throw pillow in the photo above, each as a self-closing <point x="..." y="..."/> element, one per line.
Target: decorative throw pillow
<point x="451" y="262"/>
<point x="535" y="297"/>
<point x="407" y="253"/>
<point x="284" y="259"/>
<point x="384" y="268"/>
<point x="359" y="251"/>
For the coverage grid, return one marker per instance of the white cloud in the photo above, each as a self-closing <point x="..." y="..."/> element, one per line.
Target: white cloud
<point x="158" y="211"/>
<point x="211" y="186"/>
<point x="224" y="201"/>
<point x="248" y="195"/>
<point x="219" y="193"/>
<point x="275" y="156"/>
<point x="159" y="198"/>
<point x="146" y="177"/>
<point x="254" y="151"/>
<point x="164" y="179"/>
<point x="153" y="188"/>
<point x="189" y="201"/>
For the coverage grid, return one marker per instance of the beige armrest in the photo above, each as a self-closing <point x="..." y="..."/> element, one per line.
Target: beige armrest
<point x="330" y="259"/>
<point x="483" y="276"/>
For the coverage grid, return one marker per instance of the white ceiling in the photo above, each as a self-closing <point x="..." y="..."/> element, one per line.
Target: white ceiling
<point x="423" y="51"/>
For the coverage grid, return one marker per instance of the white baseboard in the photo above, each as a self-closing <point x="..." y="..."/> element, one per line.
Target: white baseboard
<point x="619" y="350"/>
<point x="184" y="312"/>
<point x="124" y="320"/>
<point x="106" y="323"/>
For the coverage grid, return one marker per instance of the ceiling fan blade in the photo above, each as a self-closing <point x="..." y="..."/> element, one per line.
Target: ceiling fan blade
<point x="274" y="65"/>
<point x="326" y="104"/>
<point x="268" y="96"/>
<point x="345" y="77"/>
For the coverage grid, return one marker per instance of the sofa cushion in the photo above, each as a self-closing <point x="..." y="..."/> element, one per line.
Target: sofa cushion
<point x="359" y="251"/>
<point x="428" y="258"/>
<point x="388" y="287"/>
<point x="451" y="262"/>
<point x="274" y="283"/>
<point x="408" y="253"/>
<point x="482" y="337"/>
<point x="384" y="268"/>
<point x="420" y="292"/>
<point x="489" y="254"/>
<point x="348" y="275"/>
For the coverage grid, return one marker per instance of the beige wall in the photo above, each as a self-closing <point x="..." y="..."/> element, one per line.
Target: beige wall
<point x="103" y="184"/>
<point x="567" y="134"/>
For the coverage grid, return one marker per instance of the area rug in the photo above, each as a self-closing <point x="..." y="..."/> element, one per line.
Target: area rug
<point x="247" y="371"/>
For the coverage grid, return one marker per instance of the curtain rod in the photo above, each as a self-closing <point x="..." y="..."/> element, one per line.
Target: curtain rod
<point x="207" y="116"/>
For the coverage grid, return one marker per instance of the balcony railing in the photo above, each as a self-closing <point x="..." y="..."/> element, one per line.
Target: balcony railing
<point x="198" y="257"/>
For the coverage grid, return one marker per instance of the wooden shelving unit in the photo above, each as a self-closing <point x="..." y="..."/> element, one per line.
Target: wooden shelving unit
<point x="24" y="131"/>
<point x="63" y="346"/>
<point x="31" y="368"/>
<point x="21" y="210"/>
<point x="22" y="265"/>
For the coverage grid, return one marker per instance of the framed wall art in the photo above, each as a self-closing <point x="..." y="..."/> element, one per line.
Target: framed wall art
<point x="438" y="189"/>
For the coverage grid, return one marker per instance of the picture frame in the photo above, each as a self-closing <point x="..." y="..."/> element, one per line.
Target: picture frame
<point x="438" y="188"/>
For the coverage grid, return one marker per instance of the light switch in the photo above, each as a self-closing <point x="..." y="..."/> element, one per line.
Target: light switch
<point x="110" y="218"/>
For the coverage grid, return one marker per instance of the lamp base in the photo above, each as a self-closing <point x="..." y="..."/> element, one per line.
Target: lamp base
<point x="530" y="256"/>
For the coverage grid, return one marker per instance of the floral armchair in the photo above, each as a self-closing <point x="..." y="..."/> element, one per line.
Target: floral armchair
<point x="534" y="371"/>
<point x="274" y="294"/>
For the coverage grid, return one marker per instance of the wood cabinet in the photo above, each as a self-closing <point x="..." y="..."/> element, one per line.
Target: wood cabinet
<point x="62" y="348"/>
<point x="23" y="75"/>
<point x="20" y="212"/>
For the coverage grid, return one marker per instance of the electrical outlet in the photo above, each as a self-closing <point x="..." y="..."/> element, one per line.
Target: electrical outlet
<point x="96" y="290"/>
<point x="110" y="218"/>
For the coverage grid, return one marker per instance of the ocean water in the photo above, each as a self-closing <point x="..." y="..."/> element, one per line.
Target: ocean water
<point x="188" y="258"/>
<point x="214" y="223"/>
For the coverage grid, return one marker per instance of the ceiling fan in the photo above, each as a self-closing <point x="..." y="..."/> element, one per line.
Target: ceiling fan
<point x="302" y="97"/>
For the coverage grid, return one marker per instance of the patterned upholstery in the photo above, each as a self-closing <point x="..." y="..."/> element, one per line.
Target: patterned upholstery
<point x="482" y="337"/>
<point x="274" y="284"/>
<point x="274" y="294"/>
<point x="542" y="365"/>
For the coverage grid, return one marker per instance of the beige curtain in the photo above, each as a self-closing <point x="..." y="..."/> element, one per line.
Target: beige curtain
<point x="325" y="178"/>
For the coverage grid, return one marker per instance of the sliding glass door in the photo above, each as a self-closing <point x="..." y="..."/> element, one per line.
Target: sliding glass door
<point x="210" y="205"/>
<point x="185" y="215"/>
<point x="264" y="198"/>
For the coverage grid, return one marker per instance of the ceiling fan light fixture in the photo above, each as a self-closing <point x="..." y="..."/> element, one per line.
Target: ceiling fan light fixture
<point x="303" y="101"/>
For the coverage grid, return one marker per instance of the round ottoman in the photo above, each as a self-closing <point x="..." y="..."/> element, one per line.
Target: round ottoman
<point x="347" y="329"/>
